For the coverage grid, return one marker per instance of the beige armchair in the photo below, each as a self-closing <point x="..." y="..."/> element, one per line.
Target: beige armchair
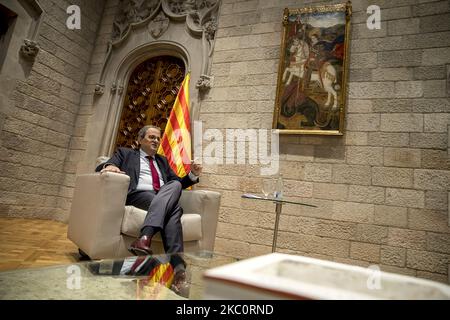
<point x="103" y="227"/>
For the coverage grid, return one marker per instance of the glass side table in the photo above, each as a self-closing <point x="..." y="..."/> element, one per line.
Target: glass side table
<point x="278" y="206"/>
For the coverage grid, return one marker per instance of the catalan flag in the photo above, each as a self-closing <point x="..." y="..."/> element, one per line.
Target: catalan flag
<point x="176" y="141"/>
<point x="150" y="288"/>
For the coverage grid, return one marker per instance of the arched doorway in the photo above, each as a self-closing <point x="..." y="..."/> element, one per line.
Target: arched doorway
<point x="150" y="95"/>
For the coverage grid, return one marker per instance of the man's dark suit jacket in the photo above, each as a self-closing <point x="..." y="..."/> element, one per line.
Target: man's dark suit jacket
<point x="128" y="161"/>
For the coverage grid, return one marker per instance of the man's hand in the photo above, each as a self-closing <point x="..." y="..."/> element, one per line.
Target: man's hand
<point x="196" y="168"/>
<point x="111" y="168"/>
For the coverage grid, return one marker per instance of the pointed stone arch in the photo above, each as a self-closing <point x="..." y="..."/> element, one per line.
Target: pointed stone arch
<point x="143" y="30"/>
<point x="121" y="78"/>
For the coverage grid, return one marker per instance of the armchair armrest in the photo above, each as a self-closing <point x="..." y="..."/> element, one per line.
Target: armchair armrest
<point x="206" y="203"/>
<point x="97" y="211"/>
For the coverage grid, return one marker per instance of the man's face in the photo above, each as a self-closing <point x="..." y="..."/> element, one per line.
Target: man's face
<point x="150" y="143"/>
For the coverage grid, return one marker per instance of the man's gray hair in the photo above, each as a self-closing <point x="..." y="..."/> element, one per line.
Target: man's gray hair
<point x="143" y="130"/>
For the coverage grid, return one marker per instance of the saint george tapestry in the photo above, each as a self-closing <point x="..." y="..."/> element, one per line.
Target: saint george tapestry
<point x="311" y="88"/>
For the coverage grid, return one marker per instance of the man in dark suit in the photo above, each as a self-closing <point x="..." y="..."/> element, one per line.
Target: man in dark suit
<point x="153" y="187"/>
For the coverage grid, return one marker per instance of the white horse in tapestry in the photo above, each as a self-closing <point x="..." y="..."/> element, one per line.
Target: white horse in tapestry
<point x="300" y="51"/>
<point x="326" y="75"/>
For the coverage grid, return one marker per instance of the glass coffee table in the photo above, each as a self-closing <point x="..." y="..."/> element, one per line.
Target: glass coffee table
<point x="111" y="279"/>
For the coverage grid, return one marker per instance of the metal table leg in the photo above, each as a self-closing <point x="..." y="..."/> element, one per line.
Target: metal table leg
<point x="277" y="221"/>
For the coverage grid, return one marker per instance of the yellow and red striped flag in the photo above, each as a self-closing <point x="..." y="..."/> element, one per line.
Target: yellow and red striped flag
<point x="176" y="141"/>
<point x="150" y="288"/>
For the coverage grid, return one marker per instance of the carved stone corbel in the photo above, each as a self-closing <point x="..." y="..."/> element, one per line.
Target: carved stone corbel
<point x="205" y="82"/>
<point x="203" y="21"/>
<point x="210" y="29"/>
<point x="29" y="49"/>
<point x="99" y="89"/>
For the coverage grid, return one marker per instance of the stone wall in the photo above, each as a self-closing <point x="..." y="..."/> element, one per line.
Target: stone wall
<point x="381" y="189"/>
<point x="38" y="113"/>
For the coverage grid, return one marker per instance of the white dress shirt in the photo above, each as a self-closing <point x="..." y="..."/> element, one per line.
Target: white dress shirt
<point x="145" y="175"/>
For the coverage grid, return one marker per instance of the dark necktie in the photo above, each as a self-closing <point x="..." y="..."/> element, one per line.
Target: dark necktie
<point x="155" y="176"/>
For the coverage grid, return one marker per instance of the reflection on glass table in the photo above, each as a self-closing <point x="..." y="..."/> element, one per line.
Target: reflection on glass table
<point x="278" y="206"/>
<point x="143" y="278"/>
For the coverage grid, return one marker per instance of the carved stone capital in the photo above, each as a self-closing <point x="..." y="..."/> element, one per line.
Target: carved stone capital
<point x="29" y="49"/>
<point x="114" y="89"/>
<point x="99" y="89"/>
<point x="210" y="29"/>
<point x="205" y="82"/>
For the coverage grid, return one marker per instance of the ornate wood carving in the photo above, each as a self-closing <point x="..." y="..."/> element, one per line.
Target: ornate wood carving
<point x="150" y="95"/>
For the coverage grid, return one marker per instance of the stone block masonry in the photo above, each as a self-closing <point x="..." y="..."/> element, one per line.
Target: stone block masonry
<point x="382" y="188"/>
<point x="37" y="131"/>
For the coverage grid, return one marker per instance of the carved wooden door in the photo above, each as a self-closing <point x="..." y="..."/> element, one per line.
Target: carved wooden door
<point x="150" y="95"/>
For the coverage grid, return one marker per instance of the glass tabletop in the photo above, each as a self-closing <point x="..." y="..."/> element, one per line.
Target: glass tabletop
<point x="146" y="278"/>
<point x="276" y="200"/>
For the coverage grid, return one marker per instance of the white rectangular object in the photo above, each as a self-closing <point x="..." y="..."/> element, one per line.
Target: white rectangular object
<point x="283" y="276"/>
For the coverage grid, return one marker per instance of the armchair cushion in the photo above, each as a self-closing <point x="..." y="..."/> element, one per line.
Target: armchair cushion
<point x="134" y="218"/>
